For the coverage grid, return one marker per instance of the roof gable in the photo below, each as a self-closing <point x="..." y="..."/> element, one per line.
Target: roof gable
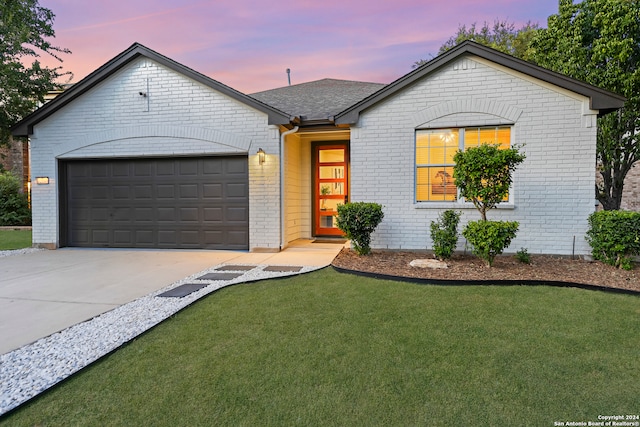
<point x="599" y="99"/>
<point x="25" y="126"/>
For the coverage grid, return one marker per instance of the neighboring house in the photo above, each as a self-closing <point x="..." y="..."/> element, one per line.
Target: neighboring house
<point x="631" y="192"/>
<point x="145" y="152"/>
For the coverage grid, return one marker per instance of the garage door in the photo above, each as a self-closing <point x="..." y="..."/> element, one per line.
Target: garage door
<point x="172" y="203"/>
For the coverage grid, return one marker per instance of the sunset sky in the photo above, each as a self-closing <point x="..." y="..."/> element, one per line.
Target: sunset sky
<point x="249" y="44"/>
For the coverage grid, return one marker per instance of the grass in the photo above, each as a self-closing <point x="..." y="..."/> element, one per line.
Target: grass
<point x="334" y="349"/>
<point x="14" y="239"/>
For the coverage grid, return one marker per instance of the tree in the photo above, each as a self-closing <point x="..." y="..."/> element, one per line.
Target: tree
<point x="14" y="205"/>
<point x="502" y="36"/>
<point x="483" y="174"/>
<point x="598" y="41"/>
<point x="24" y="31"/>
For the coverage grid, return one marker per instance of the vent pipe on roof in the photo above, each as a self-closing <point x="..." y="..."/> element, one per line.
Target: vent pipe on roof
<point x="289" y="76"/>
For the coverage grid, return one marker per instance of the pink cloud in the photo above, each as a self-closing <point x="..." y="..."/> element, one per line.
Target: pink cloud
<point x="248" y="44"/>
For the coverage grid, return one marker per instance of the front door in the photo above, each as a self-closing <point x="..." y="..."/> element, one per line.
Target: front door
<point x="330" y="187"/>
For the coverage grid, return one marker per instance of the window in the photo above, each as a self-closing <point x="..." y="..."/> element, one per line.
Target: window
<point x="434" y="157"/>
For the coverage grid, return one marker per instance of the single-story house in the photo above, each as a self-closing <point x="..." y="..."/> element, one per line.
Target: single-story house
<point x="148" y="153"/>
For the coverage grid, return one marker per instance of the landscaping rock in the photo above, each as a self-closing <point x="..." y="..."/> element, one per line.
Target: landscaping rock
<point x="428" y="263"/>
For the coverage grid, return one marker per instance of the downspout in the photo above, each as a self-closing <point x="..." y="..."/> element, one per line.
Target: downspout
<point x="282" y="161"/>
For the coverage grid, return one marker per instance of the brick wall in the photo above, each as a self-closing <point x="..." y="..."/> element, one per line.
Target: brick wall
<point x="177" y="117"/>
<point x="553" y="189"/>
<point x="631" y="193"/>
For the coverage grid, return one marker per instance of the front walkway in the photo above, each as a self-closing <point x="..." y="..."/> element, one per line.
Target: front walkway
<point x="85" y="289"/>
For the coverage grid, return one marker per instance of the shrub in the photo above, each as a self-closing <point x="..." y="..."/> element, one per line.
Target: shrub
<point x="490" y="238"/>
<point x="358" y="220"/>
<point x="444" y="234"/>
<point x="483" y="174"/>
<point x="523" y="256"/>
<point x="614" y="237"/>
<point x="14" y="205"/>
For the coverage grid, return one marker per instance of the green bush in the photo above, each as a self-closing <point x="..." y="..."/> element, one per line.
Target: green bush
<point x="483" y="174"/>
<point x="490" y="238"/>
<point x="358" y="220"/>
<point x="523" y="256"/>
<point x="444" y="233"/>
<point x="14" y="205"/>
<point x="614" y="237"/>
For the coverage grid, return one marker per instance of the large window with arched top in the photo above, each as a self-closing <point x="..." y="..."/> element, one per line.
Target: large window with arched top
<point x="435" y="149"/>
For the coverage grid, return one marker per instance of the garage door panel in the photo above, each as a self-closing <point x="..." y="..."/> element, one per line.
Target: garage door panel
<point x="100" y="236"/>
<point x="237" y="214"/>
<point x="158" y="203"/>
<point x="99" y="170"/>
<point x="188" y="191"/>
<point x="239" y="190"/>
<point x="189" y="214"/>
<point x="237" y="167"/>
<point x="141" y="169"/>
<point x="99" y="192"/>
<point x="165" y="191"/>
<point x="212" y="191"/>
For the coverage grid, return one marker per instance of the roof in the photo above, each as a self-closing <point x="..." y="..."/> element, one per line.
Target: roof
<point x="318" y="100"/>
<point x="327" y="100"/>
<point x="599" y="99"/>
<point x="135" y="51"/>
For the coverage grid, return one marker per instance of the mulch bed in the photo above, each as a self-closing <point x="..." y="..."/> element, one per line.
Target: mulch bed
<point x="467" y="268"/>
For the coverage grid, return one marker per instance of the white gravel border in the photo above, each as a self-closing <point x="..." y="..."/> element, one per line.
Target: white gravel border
<point x="33" y="368"/>
<point x="20" y="252"/>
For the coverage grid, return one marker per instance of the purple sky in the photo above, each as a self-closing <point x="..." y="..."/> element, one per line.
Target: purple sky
<point x="248" y="44"/>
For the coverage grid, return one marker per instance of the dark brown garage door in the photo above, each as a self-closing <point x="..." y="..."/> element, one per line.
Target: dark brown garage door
<point x="171" y="203"/>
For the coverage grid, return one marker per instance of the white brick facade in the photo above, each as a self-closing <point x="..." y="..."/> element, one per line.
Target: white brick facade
<point x="144" y="105"/>
<point x="553" y="192"/>
<point x="178" y="116"/>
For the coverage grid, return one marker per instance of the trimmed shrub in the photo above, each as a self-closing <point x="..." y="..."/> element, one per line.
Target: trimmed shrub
<point x="483" y="174"/>
<point x="444" y="233"/>
<point x="614" y="237"/>
<point x="357" y="221"/>
<point x="523" y="256"/>
<point x="490" y="238"/>
<point x="14" y="205"/>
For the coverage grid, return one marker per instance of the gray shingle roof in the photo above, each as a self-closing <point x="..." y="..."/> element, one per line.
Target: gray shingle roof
<point x="317" y="100"/>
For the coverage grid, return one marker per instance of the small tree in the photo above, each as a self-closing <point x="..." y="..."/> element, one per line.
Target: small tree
<point x="358" y="220"/>
<point x="444" y="234"/>
<point x="483" y="174"/>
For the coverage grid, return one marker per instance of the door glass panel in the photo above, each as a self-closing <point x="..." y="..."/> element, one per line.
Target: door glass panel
<point x="330" y="204"/>
<point x="331" y="189"/>
<point x="331" y="155"/>
<point x="331" y="172"/>
<point x="326" y="221"/>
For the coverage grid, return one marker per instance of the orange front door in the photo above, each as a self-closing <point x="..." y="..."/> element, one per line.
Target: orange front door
<point x="331" y="186"/>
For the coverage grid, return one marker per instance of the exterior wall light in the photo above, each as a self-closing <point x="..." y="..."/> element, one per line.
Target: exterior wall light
<point x="42" y="180"/>
<point x="261" y="156"/>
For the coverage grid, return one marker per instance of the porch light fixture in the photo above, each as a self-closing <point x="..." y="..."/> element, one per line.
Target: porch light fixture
<point x="42" y="180"/>
<point x="261" y="156"/>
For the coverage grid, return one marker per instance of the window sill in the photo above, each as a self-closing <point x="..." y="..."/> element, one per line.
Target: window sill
<point x="457" y="205"/>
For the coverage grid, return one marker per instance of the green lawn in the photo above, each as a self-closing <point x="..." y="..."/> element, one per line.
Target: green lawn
<point x="334" y="349"/>
<point x="15" y="239"/>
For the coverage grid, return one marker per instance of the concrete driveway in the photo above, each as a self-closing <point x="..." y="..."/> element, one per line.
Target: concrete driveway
<point x="44" y="292"/>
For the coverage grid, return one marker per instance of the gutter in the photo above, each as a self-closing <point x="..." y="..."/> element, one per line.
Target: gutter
<point x="282" y="161"/>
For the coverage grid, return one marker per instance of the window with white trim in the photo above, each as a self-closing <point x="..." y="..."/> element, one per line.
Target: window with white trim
<point x="435" y="149"/>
